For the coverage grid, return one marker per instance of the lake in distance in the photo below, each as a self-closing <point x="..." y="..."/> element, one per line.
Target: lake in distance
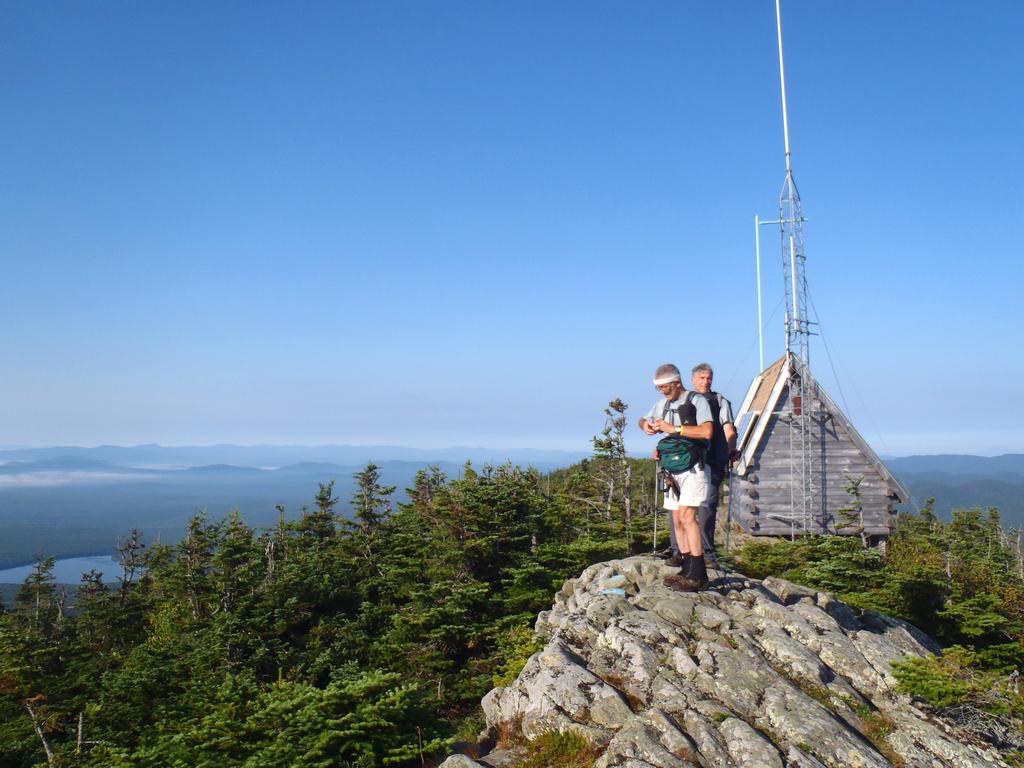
<point x="68" y="570"/>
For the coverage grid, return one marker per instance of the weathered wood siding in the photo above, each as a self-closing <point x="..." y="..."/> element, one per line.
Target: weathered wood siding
<point x="761" y="500"/>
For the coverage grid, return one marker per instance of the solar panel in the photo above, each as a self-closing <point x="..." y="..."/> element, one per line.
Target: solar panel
<point x="746" y="420"/>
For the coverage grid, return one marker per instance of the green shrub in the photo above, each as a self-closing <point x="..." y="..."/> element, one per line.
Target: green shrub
<point x="942" y="681"/>
<point x="515" y="647"/>
<point x="560" y="750"/>
<point x="959" y="677"/>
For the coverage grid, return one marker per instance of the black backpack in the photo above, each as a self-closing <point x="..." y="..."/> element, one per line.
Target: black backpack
<point x="718" y="450"/>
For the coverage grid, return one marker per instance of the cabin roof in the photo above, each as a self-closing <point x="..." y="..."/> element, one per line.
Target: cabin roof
<point x="765" y="385"/>
<point x="762" y="400"/>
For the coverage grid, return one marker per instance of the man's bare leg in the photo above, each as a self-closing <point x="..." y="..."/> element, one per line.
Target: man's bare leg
<point x="679" y="529"/>
<point x="682" y="541"/>
<point x="688" y="531"/>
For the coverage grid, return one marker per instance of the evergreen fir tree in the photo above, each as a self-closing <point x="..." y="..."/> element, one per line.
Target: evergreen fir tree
<point x="371" y="501"/>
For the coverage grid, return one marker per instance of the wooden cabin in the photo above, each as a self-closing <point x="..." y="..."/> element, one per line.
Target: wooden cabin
<point x="763" y="496"/>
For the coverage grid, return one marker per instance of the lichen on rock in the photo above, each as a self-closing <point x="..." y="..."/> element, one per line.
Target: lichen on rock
<point x="745" y="674"/>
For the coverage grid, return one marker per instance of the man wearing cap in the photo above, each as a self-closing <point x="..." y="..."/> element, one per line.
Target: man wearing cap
<point x="680" y="413"/>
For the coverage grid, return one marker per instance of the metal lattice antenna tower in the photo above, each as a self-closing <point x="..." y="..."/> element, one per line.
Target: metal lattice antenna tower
<point x="805" y="442"/>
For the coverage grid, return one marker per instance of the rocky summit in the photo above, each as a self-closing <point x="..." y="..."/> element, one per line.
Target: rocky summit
<point x="747" y="674"/>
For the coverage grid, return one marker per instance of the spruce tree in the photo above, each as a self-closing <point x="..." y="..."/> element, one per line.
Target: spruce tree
<point x="371" y="501"/>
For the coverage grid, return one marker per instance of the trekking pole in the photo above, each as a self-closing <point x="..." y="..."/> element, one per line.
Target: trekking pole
<point x="728" y="514"/>
<point x="654" y="510"/>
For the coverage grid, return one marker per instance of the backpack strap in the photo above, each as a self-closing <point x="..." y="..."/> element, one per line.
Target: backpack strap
<point x="715" y="404"/>
<point x="699" y="448"/>
<point x="718" y="448"/>
<point x="687" y="400"/>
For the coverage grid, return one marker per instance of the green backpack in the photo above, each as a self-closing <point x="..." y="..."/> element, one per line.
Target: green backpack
<point x="680" y="454"/>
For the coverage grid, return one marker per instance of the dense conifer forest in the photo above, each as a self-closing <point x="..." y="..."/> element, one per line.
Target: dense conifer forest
<point x="364" y="633"/>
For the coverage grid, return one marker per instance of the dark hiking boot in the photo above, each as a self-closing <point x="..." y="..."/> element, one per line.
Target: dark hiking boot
<point x="693" y="577"/>
<point x="684" y="563"/>
<point x="680" y="583"/>
<point x="683" y="581"/>
<point x="675" y="560"/>
<point x="668" y="552"/>
<point x="697" y="573"/>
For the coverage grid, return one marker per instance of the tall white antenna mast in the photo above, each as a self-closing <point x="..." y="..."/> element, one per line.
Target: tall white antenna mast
<point x="807" y="500"/>
<point x="791" y="220"/>
<point x="782" y="78"/>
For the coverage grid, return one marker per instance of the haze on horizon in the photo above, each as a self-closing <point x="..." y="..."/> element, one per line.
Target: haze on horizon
<point x="383" y="452"/>
<point x="465" y="225"/>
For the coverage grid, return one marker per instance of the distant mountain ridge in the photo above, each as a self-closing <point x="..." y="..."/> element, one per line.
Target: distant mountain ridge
<point x="58" y="464"/>
<point x="79" y="501"/>
<point x="960" y="464"/>
<point x="68" y="506"/>
<point x="68" y="501"/>
<point x="72" y="501"/>
<point x="152" y="455"/>
<point x="958" y="481"/>
<point x="80" y="465"/>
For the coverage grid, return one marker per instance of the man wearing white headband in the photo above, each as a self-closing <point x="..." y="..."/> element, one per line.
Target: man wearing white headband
<point x="686" y="421"/>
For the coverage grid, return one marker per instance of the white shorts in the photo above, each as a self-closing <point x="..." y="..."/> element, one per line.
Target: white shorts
<point x="693" y="489"/>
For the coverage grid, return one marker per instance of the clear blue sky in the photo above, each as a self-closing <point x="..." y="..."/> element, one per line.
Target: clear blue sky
<point x="474" y="223"/>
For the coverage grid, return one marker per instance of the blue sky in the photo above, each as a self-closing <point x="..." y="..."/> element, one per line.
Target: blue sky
<point x="454" y="223"/>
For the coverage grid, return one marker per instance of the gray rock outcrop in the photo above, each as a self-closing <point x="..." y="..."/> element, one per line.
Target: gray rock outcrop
<point x="748" y="674"/>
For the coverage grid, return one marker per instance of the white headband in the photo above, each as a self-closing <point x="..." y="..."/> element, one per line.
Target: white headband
<point x="667" y="380"/>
